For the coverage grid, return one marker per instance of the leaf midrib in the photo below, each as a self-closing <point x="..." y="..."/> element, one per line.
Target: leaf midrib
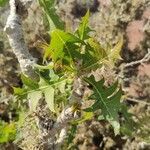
<point x="101" y="98"/>
<point x="59" y="36"/>
<point x="42" y="87"/>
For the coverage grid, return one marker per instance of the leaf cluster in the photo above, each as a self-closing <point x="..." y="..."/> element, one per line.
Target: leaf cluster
<point x="76" y="55"/>
<point x="47" y="87"/>
<point x="79" y="52"/>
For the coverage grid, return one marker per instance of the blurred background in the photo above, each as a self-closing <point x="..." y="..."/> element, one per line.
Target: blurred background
<point x="110" y="19"/>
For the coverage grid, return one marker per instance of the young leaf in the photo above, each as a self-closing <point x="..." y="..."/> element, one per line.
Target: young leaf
<point x="83" y="28"/>
<point x="49" y="66"/>
<point x="49" y="97"/>
<point x="53" y="77"/>
<point x="108" y="102"/>
<point x="98" y="50"/>
<point x="7" y="132"/>
<point x="42" y="83"/>
<point x="90" y="60"/>
<point x="19" y="91"/>
<point x="3" y="3"/>
<point x="96" y="56"/>
<point x="86" y="116"/>
<point x="29" y="82"/>
<point x="61" y="87"/>
<point x="34" y="98"/>
<point x="114" y="53"/>
<point x="59" y="39"/>
<point x="52" y="17"/>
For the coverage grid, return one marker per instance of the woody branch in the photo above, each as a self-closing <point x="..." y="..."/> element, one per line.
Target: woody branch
<point x="13" y="29"/>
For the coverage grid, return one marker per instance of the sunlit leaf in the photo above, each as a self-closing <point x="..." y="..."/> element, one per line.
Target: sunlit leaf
<point x="95" y="55"/>
<point x="107" y="102"/>
<point x="59" y="39"/>
<point x="29" y="82"/>
<point x="61" y="87"/>
<point x="83" y="28"/>
<point x="86" y="116"/>
<point x="52" y="17"/>
<point x="98" y="50"/>
<point x="7" y="132"/>
<point x="114" y="53"/>
<point x="53" y="76"/>
<point x="49" y="97"/>
<point x="42" y="82"/>
<point x="34" y="98"/>
<point x="49" y="66"/>
<point x="19" y="91"/>
<point x="3" y="3"/>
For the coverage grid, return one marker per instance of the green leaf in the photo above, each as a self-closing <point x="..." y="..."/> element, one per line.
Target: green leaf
<point x="61" y="87"/>
<point x="7" y="132"/>
<point x="49" y="97"/>
<point x="59" y="39"/>
<point x="19" y="91"/>
<point x="29" y="82"/>
<point x="96" y="55"/>
<point x="86" y="116"/>
<point x="34" y="98"/>
<point x="52" y="17"/>
<point x="53" y="76"/>
<point x="128" y="125"/>
<point x="71" y="135"/>
<point x="45" y="88"/>
<point x="98" y="50"/>
<point x="3" y="3"/>
<point x="107" y="101"/>
<point x="43" y="83"/>
<point x="90" y="60"/>
<point x="114" y="53"/>
<point x="49" y="66"/>
<point x="83" y="28"/>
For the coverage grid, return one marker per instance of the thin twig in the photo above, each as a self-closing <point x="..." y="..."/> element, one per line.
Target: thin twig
<point x="144" y="59"/>
<point x="137" y="101"/>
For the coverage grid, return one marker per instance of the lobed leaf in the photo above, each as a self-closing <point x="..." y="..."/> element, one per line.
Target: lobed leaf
<point x="29" y="82"/>
<point x="114" y="53"/>
<point x="34" y="98"/>
<point x="90" y="59"/>
<point x="52" y="17"/>
<point x="95" y="55"/>
<point x="19" y="91"/>
<point x="49" y="66"/>
<point x="59" y="39"/>
<point x="49" y="97"/>
<point x="107" y="102"/>
<point x="98" y="50"/>
<point x="83" y="28"/>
